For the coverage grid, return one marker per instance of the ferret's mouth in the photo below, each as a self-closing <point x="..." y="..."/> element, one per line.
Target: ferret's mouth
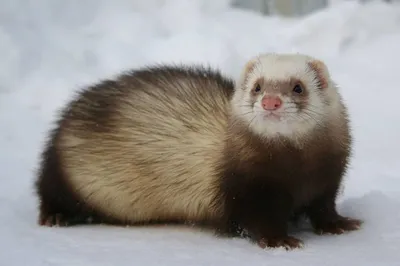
<point x="272" y="116"/>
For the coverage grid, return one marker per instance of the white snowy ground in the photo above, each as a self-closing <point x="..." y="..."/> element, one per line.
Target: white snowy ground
<point x="48" y="48"/>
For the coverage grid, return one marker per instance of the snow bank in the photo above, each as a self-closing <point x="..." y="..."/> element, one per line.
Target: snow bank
<point x="48" y="49"/>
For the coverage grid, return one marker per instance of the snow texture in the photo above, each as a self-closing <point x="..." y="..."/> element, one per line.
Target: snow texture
<point x="50" y="48"/>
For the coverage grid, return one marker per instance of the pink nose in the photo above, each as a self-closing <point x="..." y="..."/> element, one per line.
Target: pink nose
<point x="271" y="103"/>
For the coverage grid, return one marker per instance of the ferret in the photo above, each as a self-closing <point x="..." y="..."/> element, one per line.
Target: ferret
<point x="188" y="144"/>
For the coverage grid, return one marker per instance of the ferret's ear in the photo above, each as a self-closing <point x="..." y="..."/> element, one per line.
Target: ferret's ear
<point x="321" y="72"/>
<point x="248" y="68"/>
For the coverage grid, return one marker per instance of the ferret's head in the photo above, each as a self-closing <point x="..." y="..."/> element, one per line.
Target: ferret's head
<point x="285" y="95"/>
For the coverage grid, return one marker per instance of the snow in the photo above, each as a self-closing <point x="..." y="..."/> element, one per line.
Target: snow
<point x="49" y="48"/>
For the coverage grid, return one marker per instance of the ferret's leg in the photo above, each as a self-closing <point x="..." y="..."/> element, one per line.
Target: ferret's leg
<point x="325" y="218"/>
<point x="58" y="202"/>
<point x="264" y="214"/>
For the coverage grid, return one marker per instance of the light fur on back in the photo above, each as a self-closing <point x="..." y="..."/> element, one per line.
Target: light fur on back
<point x="158" y="157"/>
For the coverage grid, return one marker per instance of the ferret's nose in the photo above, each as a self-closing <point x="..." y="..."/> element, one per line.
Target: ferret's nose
<point x="271" y="103"/>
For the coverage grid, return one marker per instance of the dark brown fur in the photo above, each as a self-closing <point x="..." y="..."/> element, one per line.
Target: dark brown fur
<point x="266" y="184"/>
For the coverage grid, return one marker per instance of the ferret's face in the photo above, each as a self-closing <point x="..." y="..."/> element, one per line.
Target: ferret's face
<point x="282" y="96"/>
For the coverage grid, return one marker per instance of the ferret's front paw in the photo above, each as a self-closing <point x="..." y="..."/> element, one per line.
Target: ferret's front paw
<point x="52" y="220"/>
<point x="339" y="226"/>
<point x="287" y="242"/>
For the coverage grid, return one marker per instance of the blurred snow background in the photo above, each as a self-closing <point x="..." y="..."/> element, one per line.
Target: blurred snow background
<point x="49" y="48"/>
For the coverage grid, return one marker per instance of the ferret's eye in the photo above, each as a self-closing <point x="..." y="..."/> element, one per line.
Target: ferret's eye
<point x="298" y="89"/>
<point x="258" y="88"/>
